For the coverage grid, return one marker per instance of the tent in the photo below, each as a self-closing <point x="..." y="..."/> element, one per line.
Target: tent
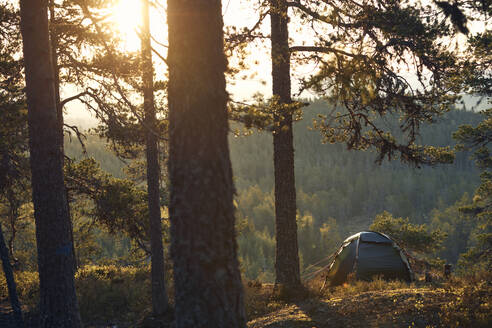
<point x="368" y="254"/>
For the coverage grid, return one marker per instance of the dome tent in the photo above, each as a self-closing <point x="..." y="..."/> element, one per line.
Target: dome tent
<point x="368" y="254"/>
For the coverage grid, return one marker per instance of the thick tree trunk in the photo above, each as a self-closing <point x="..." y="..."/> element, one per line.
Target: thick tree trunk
<point x="286" y="259"/>
<point x="160" y="303"/>
<point x="9" y="277"/>
<point x="207" y="280"/>
<point x="59" y="109"/>
<point x="58" y="302"/>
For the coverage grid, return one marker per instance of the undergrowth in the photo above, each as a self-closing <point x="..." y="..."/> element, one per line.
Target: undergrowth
<point x="470" y="305"/>
<point x="353" y="287"/>
<point x="114" y="295"/>
<point x="106" y="294"/>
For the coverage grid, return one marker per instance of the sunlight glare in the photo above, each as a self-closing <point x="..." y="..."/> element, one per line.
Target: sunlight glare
<point x="127" y="18"/>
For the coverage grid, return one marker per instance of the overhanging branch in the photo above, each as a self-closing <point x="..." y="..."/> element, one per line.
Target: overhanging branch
<point x="69" y="99"/>
<point x="320" y="49"/>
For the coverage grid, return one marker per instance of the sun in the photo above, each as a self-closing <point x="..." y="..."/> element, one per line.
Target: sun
<point x="127" y="18"/>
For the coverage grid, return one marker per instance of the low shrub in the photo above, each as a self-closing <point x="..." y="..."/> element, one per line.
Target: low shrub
<point x="109" y="294"/>
<point x="27" y="287"/>
<point x="470" y="305"/>
<point x="106" y="294"/>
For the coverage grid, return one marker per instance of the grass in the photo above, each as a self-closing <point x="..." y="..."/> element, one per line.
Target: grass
<point x="463" y="301"/>
<point x="112" y="295"/>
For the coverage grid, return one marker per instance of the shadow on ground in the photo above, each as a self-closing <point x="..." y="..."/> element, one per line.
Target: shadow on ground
<point x="398" y="308"/>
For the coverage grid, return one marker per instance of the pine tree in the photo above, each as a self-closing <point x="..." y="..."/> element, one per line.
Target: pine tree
<point x="475" y="77"/>
<point x="287" y="254"/>
<point x="208" y="289"/>
<point x="160" y="303"/>
<point x="58" y="301"/>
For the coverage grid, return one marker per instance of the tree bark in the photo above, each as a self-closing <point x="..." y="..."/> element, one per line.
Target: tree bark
<point x="287" y="258"/>
<point x="56" y="69"/>
<point x="54" y="43"/>
<point x="160" y="303"/>
<point x="208" y="288"/>
<point x="58" y="301"/>
<point x="9" y="277"/>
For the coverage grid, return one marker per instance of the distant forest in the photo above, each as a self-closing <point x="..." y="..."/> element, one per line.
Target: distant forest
<point x="339" y="191"/>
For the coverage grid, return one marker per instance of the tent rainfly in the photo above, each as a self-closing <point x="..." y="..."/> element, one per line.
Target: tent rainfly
<point x="369" y="254"/>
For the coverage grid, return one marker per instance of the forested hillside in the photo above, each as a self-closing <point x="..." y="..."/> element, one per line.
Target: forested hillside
<point x="339" y="191"/>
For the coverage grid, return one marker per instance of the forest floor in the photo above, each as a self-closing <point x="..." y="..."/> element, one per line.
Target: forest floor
<point x="455" y="303"/>
<point x="393" y="308"/>
<point x="415" y="305"/>
<point x="7" y="316"/>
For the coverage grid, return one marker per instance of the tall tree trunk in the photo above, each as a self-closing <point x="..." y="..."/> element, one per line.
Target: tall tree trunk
<point x="287" y="258"/>
<point x="56" y="69"/>
<point x="9" y="277"/>
<point x="160" y="303"/>
<point x="58" y="301"/>
<point x="207" y="280"/>
<point x="59" y="109"/>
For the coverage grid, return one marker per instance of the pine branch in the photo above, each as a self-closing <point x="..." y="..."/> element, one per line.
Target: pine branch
<point x="67" y="100"/>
